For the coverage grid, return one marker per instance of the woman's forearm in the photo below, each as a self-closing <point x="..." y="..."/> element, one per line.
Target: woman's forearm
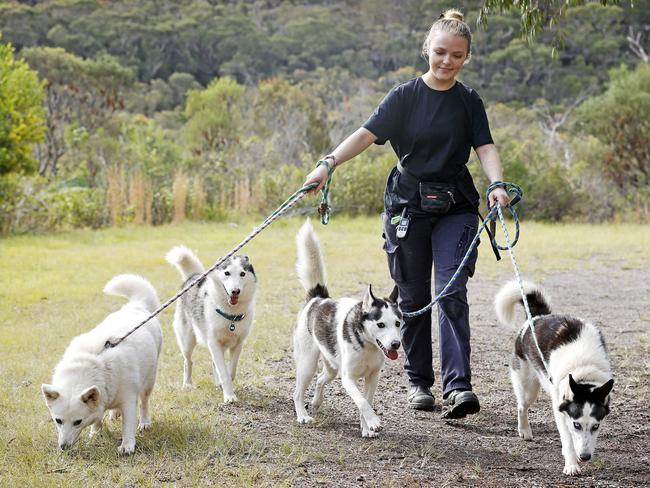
<point x="490" y="161"/>
<point x="353" y="145"/>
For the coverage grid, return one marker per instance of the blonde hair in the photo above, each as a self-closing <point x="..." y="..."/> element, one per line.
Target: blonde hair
<point x="451" y="21"/>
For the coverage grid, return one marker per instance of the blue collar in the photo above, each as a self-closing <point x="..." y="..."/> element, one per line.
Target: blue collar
<point x="232" y="318"/>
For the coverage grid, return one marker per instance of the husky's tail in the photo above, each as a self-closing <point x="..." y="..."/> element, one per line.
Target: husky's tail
<point x="136" y="288"/>
<point x="310" y="265"/>
<point x="185" y="261"/>
<point x="510" y="295"/>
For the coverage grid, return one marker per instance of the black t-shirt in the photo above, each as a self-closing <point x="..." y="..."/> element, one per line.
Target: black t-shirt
<point x="432" y="133"/>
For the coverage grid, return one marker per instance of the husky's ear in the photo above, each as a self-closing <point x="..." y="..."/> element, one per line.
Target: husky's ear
<point x="603" y="391"/>
<point x="49" y="393"/>
<point x="368" y="298"/>
<point x="573" y="385"/>
<point x="394" y="295"/>
<point x="90" y="396"/>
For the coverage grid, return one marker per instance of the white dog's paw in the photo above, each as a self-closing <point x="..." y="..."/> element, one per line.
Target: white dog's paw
<point x="144" y="425"/>
<point x="230" y="398"/>
<point x="526" y="434"/>
<point x="305" y="419"/>
<point x="188" y="386"/>
<point x="571" y="469"/>
<point x="373" y="423"/>
<point x="126" y="448"/>
<point x="368" y="433"/>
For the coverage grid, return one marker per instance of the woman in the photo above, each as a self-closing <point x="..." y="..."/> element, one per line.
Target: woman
<point x="432" y="122"/>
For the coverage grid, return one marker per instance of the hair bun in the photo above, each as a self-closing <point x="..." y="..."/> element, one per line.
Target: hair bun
<point x="453" y="14"/>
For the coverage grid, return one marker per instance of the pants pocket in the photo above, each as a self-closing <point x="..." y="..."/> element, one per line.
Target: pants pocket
<point x="469" y="231"/>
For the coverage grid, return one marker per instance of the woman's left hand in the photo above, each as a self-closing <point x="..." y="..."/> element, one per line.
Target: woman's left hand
<point x="498" y="195"/>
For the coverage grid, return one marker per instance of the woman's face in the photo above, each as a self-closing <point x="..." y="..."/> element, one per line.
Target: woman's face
<point x="447" y="55"/>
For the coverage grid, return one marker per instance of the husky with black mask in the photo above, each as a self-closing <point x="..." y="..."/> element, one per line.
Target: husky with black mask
<point x="579" y="377"/>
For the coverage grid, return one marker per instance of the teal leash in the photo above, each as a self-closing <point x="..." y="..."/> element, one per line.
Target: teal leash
<point x="491" y="216"/>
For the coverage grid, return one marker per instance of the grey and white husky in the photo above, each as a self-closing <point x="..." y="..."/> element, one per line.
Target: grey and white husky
<point x="580" y="374"/>
<point x="217" y="313"/>
<point x="351" y="336"/>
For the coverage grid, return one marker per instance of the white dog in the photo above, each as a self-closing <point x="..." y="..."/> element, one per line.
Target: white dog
<point x="579" y="368"/>
<point x="351" y="336"/>
<point x="89" y="379"/>
<point x="217" y="312"/>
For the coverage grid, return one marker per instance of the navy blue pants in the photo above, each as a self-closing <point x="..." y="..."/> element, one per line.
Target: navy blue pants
<point x="441" y="243"/>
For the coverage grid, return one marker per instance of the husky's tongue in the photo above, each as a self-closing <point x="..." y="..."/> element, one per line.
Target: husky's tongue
<point x="233" y="299"/>
<point x="392" y="354"/>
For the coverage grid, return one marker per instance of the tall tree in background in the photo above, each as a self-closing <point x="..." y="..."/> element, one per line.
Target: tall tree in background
<point x="22" y="120"/>
<point x="84" y="92"/>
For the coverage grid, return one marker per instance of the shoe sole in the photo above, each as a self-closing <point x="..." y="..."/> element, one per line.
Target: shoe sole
<point x="462" y="409"/>
<point x="422" y="406"/>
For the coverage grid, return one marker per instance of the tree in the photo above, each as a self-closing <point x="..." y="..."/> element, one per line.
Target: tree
<point x="22" y="118"/>
<point x="80" y="91"/>
<point x="538" y="15"/>
<point x="620" y="117"/>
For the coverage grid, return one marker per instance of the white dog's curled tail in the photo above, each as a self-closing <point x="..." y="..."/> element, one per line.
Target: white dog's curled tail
<point x="310" y="265"/>
<point x="510" y="295"/>
<point x="136" y="288"/>
<point x="185" y="261"/>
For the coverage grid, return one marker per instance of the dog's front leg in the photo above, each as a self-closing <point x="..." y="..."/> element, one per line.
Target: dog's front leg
<point x="372" y="421"/>
<point x="222" y="375"/>
<point x="234" y="359"/>
<point x="95" y="428"/>
<point x="571" y="467"/>
<point x="129" y="423"/>
<point x="370" y="386"/>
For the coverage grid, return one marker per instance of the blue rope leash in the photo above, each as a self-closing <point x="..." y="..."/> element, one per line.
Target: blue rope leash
<point x="491" y="216"/>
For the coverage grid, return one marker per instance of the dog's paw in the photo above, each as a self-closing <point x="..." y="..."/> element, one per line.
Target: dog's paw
<point x="230" y="398"/>
<point x="373" y="423"/>
<point x="146" y="425"/>
<point x="126" y="448"/>
<point x="188" y="386"/>
<point x="368" y="433"/>
<point x="571" y="469"/>
<point x="526" y="434"/>
<point x="305" y="419"/>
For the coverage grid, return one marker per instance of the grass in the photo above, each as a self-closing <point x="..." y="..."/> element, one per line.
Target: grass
<point x="51" y="291"/>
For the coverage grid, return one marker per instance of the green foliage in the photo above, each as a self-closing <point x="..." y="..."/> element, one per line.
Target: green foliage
<point x="214" y="115"/>
<point x="620" y="118"/>
<point x="22" y="118"/>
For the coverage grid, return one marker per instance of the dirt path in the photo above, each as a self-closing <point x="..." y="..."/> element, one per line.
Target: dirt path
<point x="421" y="449"/>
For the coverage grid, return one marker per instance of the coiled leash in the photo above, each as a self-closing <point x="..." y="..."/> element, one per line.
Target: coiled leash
<point x="323" y="210"/>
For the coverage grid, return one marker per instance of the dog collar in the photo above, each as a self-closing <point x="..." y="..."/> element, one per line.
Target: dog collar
<point x="232" y="318"/>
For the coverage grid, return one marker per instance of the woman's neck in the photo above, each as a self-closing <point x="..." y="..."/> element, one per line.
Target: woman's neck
<point x="436" y="84"/>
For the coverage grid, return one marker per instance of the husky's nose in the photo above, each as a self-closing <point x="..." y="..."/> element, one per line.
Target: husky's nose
<point x="63" y="446"/>
<point x="235" y="291"/>
<point x="395" y="345"/>
<point x="585" y="457"/>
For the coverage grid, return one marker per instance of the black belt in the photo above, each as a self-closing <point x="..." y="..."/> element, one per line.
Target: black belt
<point x="490" y="230"/>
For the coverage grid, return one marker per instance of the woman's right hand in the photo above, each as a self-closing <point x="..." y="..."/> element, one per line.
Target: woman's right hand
<point x="318" y="175"/>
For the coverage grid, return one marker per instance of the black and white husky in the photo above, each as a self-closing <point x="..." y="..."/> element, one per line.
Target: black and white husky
<point x="217" y="312"/>
<point x="580" y="374"/>
<point x="351" y="336"/>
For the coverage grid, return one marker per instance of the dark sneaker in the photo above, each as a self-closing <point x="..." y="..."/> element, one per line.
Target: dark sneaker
<point x="420" y="398"/>
<point x="459" y="404"/>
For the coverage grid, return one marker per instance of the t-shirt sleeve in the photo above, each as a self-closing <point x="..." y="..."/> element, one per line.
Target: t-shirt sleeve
<point x="481" y="134"/>
<point x="386" y="119"/>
